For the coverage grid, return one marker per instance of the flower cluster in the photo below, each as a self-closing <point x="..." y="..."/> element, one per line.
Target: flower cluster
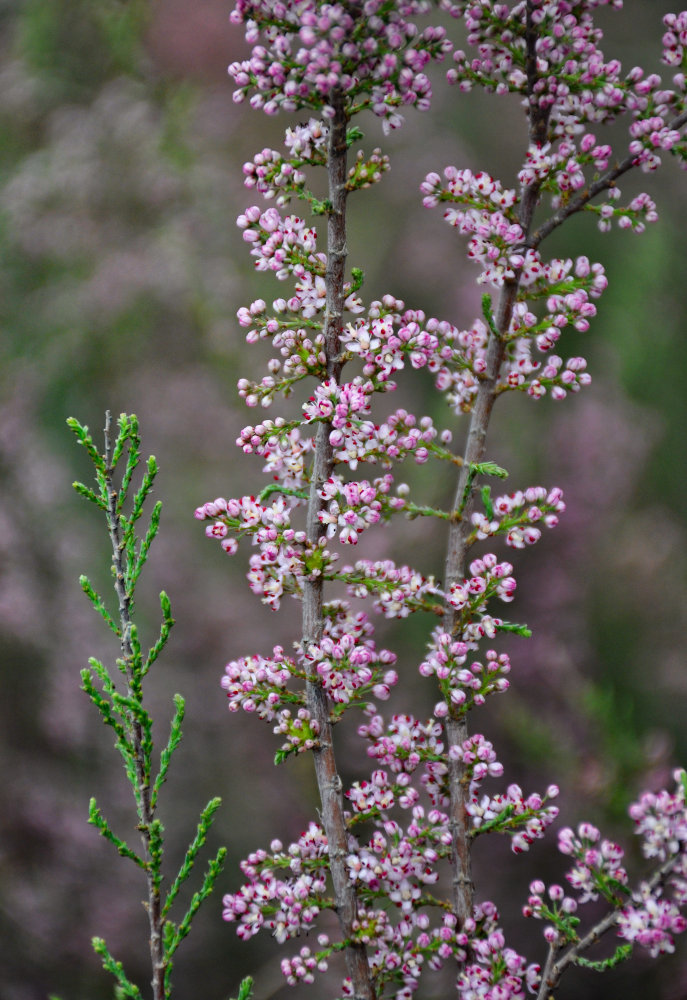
<point x="675" y="38"/>
<point x="352" y="507"/>
<point x="390" y="335"/>
<point x="404" y="743"/>
<point x="283" y="245"/>
<point x="488" y="578"/>
<point x="285" y="906"/>
<point x="285" y="452"/>
<point x="496" y="971"/>
<point x="397" y="863"/>
<point x="661" y="821"/>
<point x="345" y="662"/>
<point x="284" y="557"/>
<point x="464" y="686"/>
<point x="370" y="50"/>
<point x="651" y="921"/>
<point x="598" y="868"/>
<point x="397" y="591"/>
<point x="643" y="916"/>
<point x="558" y="909"/>
<point x="517" y="515"/>
<point x="277" y="177"/>
<point x="576" y="86"/>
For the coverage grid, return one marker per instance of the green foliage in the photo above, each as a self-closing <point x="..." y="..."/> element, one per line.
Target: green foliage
<point x="622" y="952"/>
<point x="619" y="729"/>
<point x="123" y="23"/>
<point x="180" y="101"/>
<point x="357" y="279"/>
<point x="486" y="501"/>
<point x="118" y="697"/>
<point x="76" y="45"/>
<point x="515" y="629"/>
<point x="478" y="469"/>
<point x="245" y="989"/>
<point x="488" y="314"/>
<point x="124" y="987"/>
<point x="534" y="736"/>
<point x="488" y="469"/>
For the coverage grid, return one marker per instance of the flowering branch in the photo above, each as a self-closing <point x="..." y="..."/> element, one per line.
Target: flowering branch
<point x="385" y="840"/>
<point x="665" y="918"/>
<point x="459" y="536"/>
<point x="328" y="780"/>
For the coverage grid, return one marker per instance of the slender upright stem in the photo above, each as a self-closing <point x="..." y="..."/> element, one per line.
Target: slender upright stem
<point x="328" y="780"/>
<point x="145" y="807"/>
<point x="460" y="526"/>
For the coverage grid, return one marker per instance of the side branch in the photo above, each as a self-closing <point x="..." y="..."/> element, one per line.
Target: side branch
<point x="603" y="183"/>
<point x="553" y="970"/>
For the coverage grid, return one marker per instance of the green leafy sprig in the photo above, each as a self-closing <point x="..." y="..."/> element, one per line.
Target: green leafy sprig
<point x="118" y="695"/>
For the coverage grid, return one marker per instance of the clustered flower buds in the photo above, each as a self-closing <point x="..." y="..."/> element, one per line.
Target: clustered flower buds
<point x="394" y="834"/>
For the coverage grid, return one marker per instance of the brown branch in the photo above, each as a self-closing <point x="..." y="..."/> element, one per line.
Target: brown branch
<point x="328" y="780"/>
<point x="456" y="726"/>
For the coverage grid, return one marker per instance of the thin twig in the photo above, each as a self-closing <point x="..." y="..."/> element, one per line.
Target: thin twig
<point x="553" y="970"/>
<point x="603" y="183"/>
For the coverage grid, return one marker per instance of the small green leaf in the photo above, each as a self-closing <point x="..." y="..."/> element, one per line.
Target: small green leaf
<point x="165" y="629"/>
<point x="521" y="630"/>
<point x="206" y="818"/>
<point x="175" y="736"/>
<point x="125" y="988"/>
<point x="488" y="314"/>
<point x="622" y="952"/>
<point x="98" y="603"/>
<point x="128" y="432"/>
<point x="683" y="781"/>
<point x="357" y="279"/>
<point x="246" y="989"/>
<point x="85" y="439"/>
<point x="353" y="135"/>
<point x="96" y="819"/>
<point x="321" y="207"/>
<point x="144" y="489"/>
<point x="489" y="469"/>
<point x="486" y="500"/>
<point x="156" y="848"/>
<point x="286" y="491"/>
<point x="89" y="494"/>
<point x="104" y="706"/>
<point x="214" y="869"/>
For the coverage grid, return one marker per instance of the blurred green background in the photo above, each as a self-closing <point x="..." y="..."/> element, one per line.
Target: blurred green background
<point x="121" y="272"/>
